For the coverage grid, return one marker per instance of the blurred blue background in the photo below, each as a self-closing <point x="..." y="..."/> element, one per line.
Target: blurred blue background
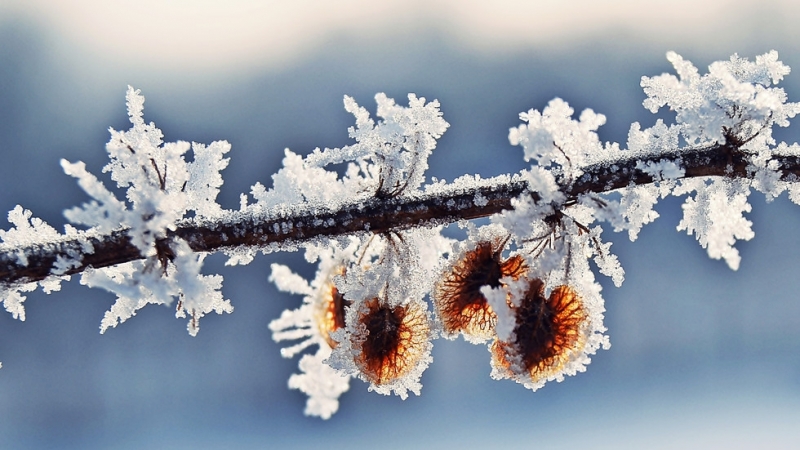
<point x="701" y="357"/>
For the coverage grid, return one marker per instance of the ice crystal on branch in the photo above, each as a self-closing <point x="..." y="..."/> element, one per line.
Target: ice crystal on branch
<point x="734" y="97"/>
<point x="389" y="159"/>
<point x="734" y="104"/>
<point x="297" y="183"/>
<point x="398" y="145"/>
<point x="553" y="139"/>
<point x="162" y="188"/>
<point x="714" y="215"/>
<point x="26" y="231"/>
<point x="386" y="340"/>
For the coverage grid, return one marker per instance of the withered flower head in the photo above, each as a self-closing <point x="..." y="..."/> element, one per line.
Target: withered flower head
<point x="549" y="333"/>
<point x="457" y="296"/>
<point x="393" y="341"/>
<point x="330" y="310"/>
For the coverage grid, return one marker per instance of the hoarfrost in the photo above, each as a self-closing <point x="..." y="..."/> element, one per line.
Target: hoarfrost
<point x="318" y="380"/>
<point x="322" y="384"/>
<point x="199" y="294"/>
<point x="140" y="283"/>
<point x="392" y="271"/>
<point x="735" y="95"/>
<point x="732" y="107"/>
<point x="398" y="145"/>
<point x="659" y="138"/>
<point x="498" y="299"/>
<point x="662" y="170"/>
<point x="736" y="104"/>
<point x="767" y="175"/>
<point x="12" y="299"/>
<point x="162" y="188"/>
<point x="553" y="138"/>
<point x="297" y="182"/>
<point x="715" y="217"/>
<point x="525" y="219"/>
<point x="240" y="256"/>
<point x="632" y="211"/>
<point x="204" y="177"/>
<point x="574" y="271"/>
<point x="26" y="231"/>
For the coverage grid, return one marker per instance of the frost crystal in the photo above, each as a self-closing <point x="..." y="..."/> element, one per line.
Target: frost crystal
<point x="735" y="95"/>
<point x="162" y="188"/>
<point x="390" y="275"/>
<point x="388" y="158"/>
<point x="735" y="104"/>
<point x="321" y="383"/>
<point x="27" y="231"/>
<point x="136" y="284"/>
<point x="312" y="322"/>
<point x="714" y="215"/>
<point x="398" y="146"/>
<point x="387" y="338"/>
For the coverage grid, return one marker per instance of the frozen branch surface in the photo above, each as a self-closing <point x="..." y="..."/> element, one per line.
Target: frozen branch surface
<point x="288" y="227"/>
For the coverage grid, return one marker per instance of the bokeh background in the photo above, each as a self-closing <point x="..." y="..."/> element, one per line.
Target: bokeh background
<point x="701" y="356"/>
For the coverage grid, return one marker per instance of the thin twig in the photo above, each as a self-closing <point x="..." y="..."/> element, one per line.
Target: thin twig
<point x="282" y="229"/>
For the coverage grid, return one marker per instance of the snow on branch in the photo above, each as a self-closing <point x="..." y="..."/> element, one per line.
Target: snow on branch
<point x="445" y="204"/>
<point x="388" y="282"/>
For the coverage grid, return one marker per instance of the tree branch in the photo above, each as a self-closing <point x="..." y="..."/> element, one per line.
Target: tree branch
<point x="284" y="228"/>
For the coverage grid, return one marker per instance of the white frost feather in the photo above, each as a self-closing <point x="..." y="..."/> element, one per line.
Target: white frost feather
<point x="715" y="217"/>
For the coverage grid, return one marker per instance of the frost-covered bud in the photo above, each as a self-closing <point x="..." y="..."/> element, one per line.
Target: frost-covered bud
<point x="390" y="341"/>
<point x="459" y="303"/>
<point x="549" y="334"/>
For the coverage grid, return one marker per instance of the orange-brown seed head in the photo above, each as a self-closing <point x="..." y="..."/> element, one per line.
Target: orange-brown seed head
<point x="457" y="297"/>
<point x="547" y="334"/>
<point x="396" y="340"/>
<point x="331" y="312"/>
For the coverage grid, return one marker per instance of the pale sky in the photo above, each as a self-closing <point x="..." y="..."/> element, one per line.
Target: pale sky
<point x="250" y="34"/>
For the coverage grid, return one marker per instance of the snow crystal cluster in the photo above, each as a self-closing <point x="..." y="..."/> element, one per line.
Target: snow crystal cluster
<point x="28" y="231"/>
<point x="735" y="103"/>
<point x="162" y="189"/>
<point x="523" y="283"/>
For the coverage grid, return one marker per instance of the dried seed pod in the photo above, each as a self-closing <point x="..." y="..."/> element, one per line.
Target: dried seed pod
<point x="457" y="296"/>
<point x="392" y="341"/>
<point x="330" y="311"/>
<point x="549" y="333"/>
